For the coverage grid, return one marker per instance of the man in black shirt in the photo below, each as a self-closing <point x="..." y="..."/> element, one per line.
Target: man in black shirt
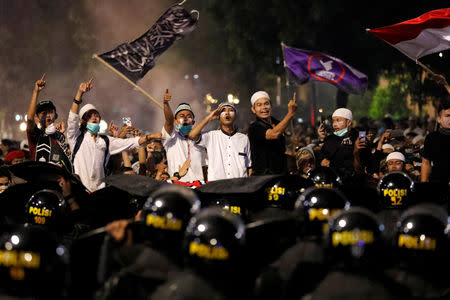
<point x="266" y="135"/>
<point x="337" y="150"/>
<point x="436" y="160"/>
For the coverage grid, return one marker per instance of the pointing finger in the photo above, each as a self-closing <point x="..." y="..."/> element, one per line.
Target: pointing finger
<point x="294" y="96"/>
<point x="90" y="80"/>
<point x="43" y="76"/>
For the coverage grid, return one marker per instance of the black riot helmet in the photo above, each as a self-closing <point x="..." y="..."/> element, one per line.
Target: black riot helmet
<point x="355" y="238"/>
<point x="32" y="263"/>
<point x="316" y="206"/>
<point x="231" y="204"/>
<point x="395" y="190"/>
<point x="324" y="177"/>
<point x="46" y="207"/>
<point x="166" y="214"/>
<point x="214" y="242"/>
<point x="285" y="191"/>
<point x="421" y="240"/>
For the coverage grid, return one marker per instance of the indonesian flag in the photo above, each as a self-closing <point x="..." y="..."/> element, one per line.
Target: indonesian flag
<point x="421" y="36"/>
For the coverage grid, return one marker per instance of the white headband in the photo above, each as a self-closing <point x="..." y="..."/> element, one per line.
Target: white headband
<point x="344" y="113"/>
<point x="396" y="155"/>
<point x="259" y="95"/>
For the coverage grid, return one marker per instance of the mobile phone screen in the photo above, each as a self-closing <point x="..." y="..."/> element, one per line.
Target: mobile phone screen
<point x="363" y="134"/>
<point x="127" y="121"/>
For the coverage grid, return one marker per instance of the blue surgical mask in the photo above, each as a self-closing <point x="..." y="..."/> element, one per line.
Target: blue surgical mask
<point x="184" y="129"/>
<point x="341" y="132"/>
<point x="93" y="127"/>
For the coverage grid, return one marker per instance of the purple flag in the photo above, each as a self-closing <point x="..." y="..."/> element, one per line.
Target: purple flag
<point x="308" y="65"/>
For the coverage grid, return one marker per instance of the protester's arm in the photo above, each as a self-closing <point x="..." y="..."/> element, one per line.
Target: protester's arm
<point x="248" y="158"/>
<point x="197" y="130"/>
<point x="440" y="79"/>
<point x="274" y="133"/>
<point x="359" y="144"/>
<point x="148" y="137"/>
<point x="384" y="139"/>
<point x="168" y="114"/>
<point x="38" y="87"/>
<point x="126" y="159"/>
<point x="425" y="170"/>
<point x="83" y="88"/>
<point x="142" y="161"/>
<point x="182" y="170"/>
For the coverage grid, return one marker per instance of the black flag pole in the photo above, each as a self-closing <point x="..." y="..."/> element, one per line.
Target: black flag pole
<point x="144" y="92"/>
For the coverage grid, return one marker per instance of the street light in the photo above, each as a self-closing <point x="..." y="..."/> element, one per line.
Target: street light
<point x="440" y="54"/>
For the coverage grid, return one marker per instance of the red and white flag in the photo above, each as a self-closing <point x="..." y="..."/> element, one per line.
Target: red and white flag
<point x="421" y="36"/>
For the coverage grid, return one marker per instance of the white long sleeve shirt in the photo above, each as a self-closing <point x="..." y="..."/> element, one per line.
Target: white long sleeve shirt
<point x="89" y="161"/>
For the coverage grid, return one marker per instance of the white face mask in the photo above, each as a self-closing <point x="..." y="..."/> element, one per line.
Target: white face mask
<point x="51" y="129"/>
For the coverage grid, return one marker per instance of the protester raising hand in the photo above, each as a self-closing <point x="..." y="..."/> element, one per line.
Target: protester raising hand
<point x="85" y="86"/>
<point x="113" y="130"/>
<point x="215" y="114"/>
<point x="440" y="79"/>
<point x="292" y="105"/>
<point x="61" y="126"/>
<point x="167" y="96"/>
<point x="40" y="84"/>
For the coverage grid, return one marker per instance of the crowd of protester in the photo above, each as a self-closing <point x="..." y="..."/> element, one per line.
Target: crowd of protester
<point x="266" y="220"/>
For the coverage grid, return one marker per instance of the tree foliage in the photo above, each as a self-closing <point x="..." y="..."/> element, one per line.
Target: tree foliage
<point x="252" y="32"/>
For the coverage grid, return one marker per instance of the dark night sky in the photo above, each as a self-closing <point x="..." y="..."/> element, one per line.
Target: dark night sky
<point x="58" y="37"/>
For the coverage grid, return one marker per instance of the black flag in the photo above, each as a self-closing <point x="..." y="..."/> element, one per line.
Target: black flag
<point x="135" y="59"/>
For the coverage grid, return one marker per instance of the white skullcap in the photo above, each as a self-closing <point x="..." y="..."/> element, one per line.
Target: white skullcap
<point x="387" y="146"/>
<point x="396" y="155"/>
<point x="344" y="113"/>
<point x="259" y="95"/>
<point x="86" y="108"/>
<point x="227" y="104"/>
<point x="184" y="106"/>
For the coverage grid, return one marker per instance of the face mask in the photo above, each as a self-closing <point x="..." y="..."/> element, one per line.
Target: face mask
<point x="184" y="129"/>
<point x="341" y="132"/>
<point x="93" y="127"/>
<point x="51" y="129"/>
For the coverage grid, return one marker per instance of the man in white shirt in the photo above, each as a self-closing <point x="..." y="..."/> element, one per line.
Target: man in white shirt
<point x="91" y="151"/>
<point x="178" y="147"/>
<point x="228" y="150"/>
